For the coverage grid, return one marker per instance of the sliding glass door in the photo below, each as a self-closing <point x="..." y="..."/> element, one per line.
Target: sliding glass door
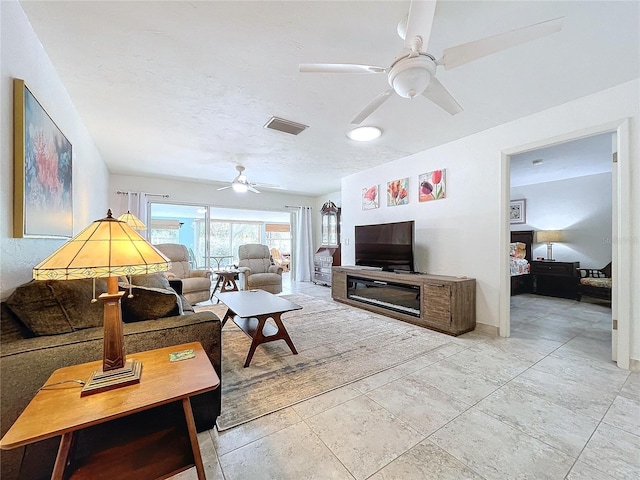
<point x="184" y="224"/>
<point x="212" y="234"/>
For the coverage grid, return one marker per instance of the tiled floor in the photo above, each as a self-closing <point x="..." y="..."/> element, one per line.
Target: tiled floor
<point x="546" y="403"/>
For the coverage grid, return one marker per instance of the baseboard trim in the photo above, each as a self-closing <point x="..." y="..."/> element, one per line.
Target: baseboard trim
<point x="634" y="365"/>
<point x="487" y="329"/>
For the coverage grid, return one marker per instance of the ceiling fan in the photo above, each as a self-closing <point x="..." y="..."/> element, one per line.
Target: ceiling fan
<point x="241" y="184"/>
<point x="413" y="72"/>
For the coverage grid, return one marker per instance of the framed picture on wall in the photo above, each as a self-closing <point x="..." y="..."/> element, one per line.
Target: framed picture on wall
<point x="42" y="203"/>
<point x="398" y="192"/>
<point x="517" y="211"/>
<point x="370" y="198"/>
<point x="432" y="186"/>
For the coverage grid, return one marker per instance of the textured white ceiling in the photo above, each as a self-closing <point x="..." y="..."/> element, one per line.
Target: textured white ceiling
<point x="183" y="89"/>
<point x="586" y="156"/>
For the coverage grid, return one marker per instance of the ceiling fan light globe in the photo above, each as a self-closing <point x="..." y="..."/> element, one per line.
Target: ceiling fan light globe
<point x="411" y="76"/>
<point x="240" y="187"/>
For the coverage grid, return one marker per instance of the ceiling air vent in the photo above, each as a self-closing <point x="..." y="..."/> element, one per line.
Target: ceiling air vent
<point x="286" y="126"/>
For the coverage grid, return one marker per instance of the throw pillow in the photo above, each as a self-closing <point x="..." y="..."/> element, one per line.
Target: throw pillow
<point x="149" y="303"/>
<point x="51" y="307"/>
<point x="74" y="296"/>
<point x="37" y="307"/>
<point x="153" y="280"/>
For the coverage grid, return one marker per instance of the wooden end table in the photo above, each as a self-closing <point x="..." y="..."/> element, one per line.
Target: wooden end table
<point x="250" y="310"/>
<point x="226" y="282"/>
<point x="60" y="410"/>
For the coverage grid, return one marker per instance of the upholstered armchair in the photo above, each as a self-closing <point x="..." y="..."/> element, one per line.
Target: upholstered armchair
<point x="194" y="285"/>
<point x="257" y="270"/>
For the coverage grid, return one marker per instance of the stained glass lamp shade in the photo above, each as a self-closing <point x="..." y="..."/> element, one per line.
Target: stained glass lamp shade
<point x="133" y="221"/>
<point x="107" y="248"/>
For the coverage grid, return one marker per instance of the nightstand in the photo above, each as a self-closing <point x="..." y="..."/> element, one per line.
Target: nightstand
<point x="555" y="279"/>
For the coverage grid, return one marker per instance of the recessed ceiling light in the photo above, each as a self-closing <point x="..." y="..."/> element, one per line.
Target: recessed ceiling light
<point x="538" y="161"/>
<point x="364" y="134"/>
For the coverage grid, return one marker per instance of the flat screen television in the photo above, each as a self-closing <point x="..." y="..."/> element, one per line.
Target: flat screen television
<point x="386" y="245"/>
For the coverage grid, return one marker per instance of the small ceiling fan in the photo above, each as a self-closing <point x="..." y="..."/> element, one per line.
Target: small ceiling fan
<point x="241" y="184"/>
<point x="413" y="72"/>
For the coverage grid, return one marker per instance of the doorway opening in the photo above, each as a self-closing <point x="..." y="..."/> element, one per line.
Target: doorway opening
<point x="620" y="204"/>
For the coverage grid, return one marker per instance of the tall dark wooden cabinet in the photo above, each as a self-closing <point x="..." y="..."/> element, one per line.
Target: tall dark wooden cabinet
<point x="328" y="255"/>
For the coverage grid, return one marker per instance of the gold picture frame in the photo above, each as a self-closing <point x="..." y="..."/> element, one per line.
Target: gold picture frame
<point x="43" y="170"/>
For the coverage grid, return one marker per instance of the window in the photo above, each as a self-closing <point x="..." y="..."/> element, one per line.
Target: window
<point x="279" y="236"/>
<point x="226" y="236"/>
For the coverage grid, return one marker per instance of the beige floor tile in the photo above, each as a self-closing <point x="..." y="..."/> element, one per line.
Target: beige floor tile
<point x="594" y="373"/>
<point x="363" y="435"/>
<point x="555" y="425"/>
<point x="290" y="454"/>
<point x="613" y="451"/>
<point x="624" y="414"/>
<point x="631" y="388"/>
<point x="498" y="451"/>
<point x="323" y="402"/>
<point x="459" y="382"/>
<point x="418" y="404"/>
<point x="233" y="438"/>
<point x="582" y="471"/>
<point x="576" y="396"/>
<point x="426" y="461"/>
<point x="418" y="363"/>
<point x="491" y="362"/>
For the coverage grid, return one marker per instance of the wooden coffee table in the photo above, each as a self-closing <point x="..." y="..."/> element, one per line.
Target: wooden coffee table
<point x="250" y="310"/>
<point x="149" y="452"/>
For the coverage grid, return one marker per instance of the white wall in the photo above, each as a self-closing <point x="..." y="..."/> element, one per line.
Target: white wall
<point x="461" y="235"/>
<point x="22" y="56"/>
<point x="581" y="208"/>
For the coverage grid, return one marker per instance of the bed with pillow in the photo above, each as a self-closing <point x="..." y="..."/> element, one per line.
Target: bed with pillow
<point x="519" y="258"/>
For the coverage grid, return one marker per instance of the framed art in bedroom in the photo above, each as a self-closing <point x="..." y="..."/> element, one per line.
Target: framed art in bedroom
<point x="517" y="211"/>
<point x="42" y="171"/>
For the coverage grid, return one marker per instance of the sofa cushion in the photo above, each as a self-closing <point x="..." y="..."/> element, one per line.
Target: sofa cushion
<point x="11" y="328"/>
<point x="149" y="303"/>
<point x="153" y="280"/>
<point x="51" y="307"/>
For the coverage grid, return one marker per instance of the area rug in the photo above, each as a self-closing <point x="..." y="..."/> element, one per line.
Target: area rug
<point x="337" y="344"/>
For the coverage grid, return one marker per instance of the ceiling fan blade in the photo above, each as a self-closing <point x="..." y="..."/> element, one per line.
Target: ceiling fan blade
<point x="438" y="94"/>
<point x="419" y="23"/>
<point x="467" y="52"/>
<point x="224" y="188"/>
<point x="251" y="189"/>
<point x="340" y="68"/>
<point x="372" y="107"/>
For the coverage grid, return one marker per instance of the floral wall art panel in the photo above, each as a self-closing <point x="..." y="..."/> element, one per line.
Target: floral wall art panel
<point x="370" y="198"/>
<point x="432" y="186"/>
<point x="398" y="192"/>
<point x="43" y="171"/>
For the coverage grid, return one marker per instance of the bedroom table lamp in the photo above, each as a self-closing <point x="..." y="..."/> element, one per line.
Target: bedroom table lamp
<point x="106" y="248"/>
<point x="549" y="237"/>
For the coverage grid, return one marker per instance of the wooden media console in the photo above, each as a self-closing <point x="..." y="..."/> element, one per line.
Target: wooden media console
<point x="442" y="303"/>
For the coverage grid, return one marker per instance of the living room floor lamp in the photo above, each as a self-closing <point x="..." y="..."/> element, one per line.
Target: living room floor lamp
<point x="107" y="248"/>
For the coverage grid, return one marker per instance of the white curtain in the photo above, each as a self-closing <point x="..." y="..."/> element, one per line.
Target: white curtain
<point x="304" y="246"/>
<point x="139" y="208"/>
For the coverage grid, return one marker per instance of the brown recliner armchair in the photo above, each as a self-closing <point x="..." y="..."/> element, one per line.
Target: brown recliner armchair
<point x="257" y="270"/>
<point x="194" y="285"/>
